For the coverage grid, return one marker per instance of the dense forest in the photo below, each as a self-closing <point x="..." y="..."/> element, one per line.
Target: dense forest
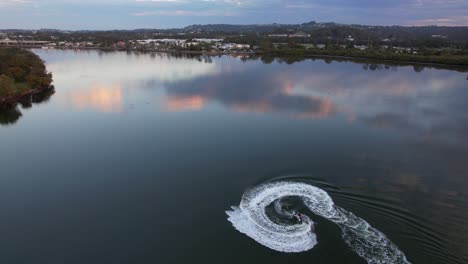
<point x="21" y="72"/>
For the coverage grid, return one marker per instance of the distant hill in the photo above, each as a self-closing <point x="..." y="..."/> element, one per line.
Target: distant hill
<point x="317" y="30"/>
<point x="257" y="28"/>
<point x="339" y="30"/>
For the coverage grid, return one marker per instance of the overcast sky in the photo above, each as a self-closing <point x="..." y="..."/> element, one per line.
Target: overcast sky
<point x="130" y="14"/>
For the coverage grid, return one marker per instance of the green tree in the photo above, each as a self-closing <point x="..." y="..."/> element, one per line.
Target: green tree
<point x="7" y="86"/>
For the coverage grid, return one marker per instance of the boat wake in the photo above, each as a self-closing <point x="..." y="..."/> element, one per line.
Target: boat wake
<point x="296" y="232"/>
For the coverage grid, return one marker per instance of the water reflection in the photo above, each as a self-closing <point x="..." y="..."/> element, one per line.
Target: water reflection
<point x="106" y="81"/>
<point x="126" y="67"/>
<point x="374" y="130"/>
<point x="252" y="91"/>
<point x="107" y="99"/>
<point x="185" y="103"/>
<point x="10" y="115"/>
<point x="425" y="108"/>
<point x="388" y="96"/>
<point x="367" y="64"/>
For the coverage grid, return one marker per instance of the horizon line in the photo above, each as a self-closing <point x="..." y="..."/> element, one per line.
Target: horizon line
<point x="235" y="24"/>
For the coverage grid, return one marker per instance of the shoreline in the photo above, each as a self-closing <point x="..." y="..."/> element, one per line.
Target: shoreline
<point x="360" y="57"/>
<point x="272" y="54"/>
<point x="13" y="101"/>
<point x="381" y="60"/>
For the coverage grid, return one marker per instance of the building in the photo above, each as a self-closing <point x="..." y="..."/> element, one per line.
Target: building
<point x="174" y="42"/>
<point x="360" y="47"/>
<point x="227" y="46"/>
<point x="242" y="46"/>
<point x="9" y="42"/>
<point x="190" y="44"/>
<point x="278" y="35"/>
<point x="234" y="46"/>
<point x="404" y="50"/>
<point x="321" y="46"/>
<point x="121" y="44"/>
<point x="208" y="41"/>
<point x="300" y="35"/>
<point x="384" y="47"/>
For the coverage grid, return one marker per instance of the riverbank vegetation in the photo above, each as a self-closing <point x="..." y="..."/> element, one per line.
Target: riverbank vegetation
<point x="449" y="58"/>
<point x="22" y="73"/>
<point x="427" y="44"/>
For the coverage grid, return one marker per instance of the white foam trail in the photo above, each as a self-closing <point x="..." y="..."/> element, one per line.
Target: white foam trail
<point x="250" y="218"/>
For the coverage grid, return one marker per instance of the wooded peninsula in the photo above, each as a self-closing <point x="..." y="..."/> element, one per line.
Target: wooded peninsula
<point x="22" y="74"/>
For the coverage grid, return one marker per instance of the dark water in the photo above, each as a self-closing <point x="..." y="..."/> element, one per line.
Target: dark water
<point x="136" y="157"/>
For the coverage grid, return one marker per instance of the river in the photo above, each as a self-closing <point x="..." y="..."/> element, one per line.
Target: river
<point x="137" y="157"/>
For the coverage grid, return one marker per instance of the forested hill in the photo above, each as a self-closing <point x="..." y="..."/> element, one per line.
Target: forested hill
<point x="342" y="30"/>
<point x="316" y="29"/>
<point x="21" y="72"/>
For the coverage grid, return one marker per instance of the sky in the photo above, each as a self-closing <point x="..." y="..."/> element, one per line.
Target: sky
<point x="131" y="14"/>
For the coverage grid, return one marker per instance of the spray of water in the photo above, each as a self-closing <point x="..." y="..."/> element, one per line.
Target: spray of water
<point x="250" y="218"/>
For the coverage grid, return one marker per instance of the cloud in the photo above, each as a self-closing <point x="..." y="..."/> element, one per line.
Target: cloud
<point x="447" y="21"/>
<point x="13" y="2"/>
<point x="128" y="14"/>
<point x="184" y="13"/>
<point x="163" y="1"/>
<point x="231" y="2"/>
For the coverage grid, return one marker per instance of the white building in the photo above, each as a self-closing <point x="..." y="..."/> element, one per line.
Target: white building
<point x="321" y="46"/>
<point x="206" y="40"/>
<point x="300" y="35"/>
<point x="9" y="42"/>
<point x="360" y="47"/>
<point x="234" y="46"/>
<point x="278" y="35"/>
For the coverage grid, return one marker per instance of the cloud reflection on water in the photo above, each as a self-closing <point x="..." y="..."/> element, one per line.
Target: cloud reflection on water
<point x="251" y="92"/>
<point x="375" y="110"/>
<point x="185" y="103"/>
<point x="426" y="103"/>
<point x="106" y="82"/>
<point x="102" y="98"/>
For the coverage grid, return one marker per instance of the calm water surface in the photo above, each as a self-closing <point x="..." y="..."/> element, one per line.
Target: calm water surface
<point x="136" y="157"/>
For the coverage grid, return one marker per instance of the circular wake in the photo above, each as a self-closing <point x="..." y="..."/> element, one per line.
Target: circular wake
<point x="297" y="235"/>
